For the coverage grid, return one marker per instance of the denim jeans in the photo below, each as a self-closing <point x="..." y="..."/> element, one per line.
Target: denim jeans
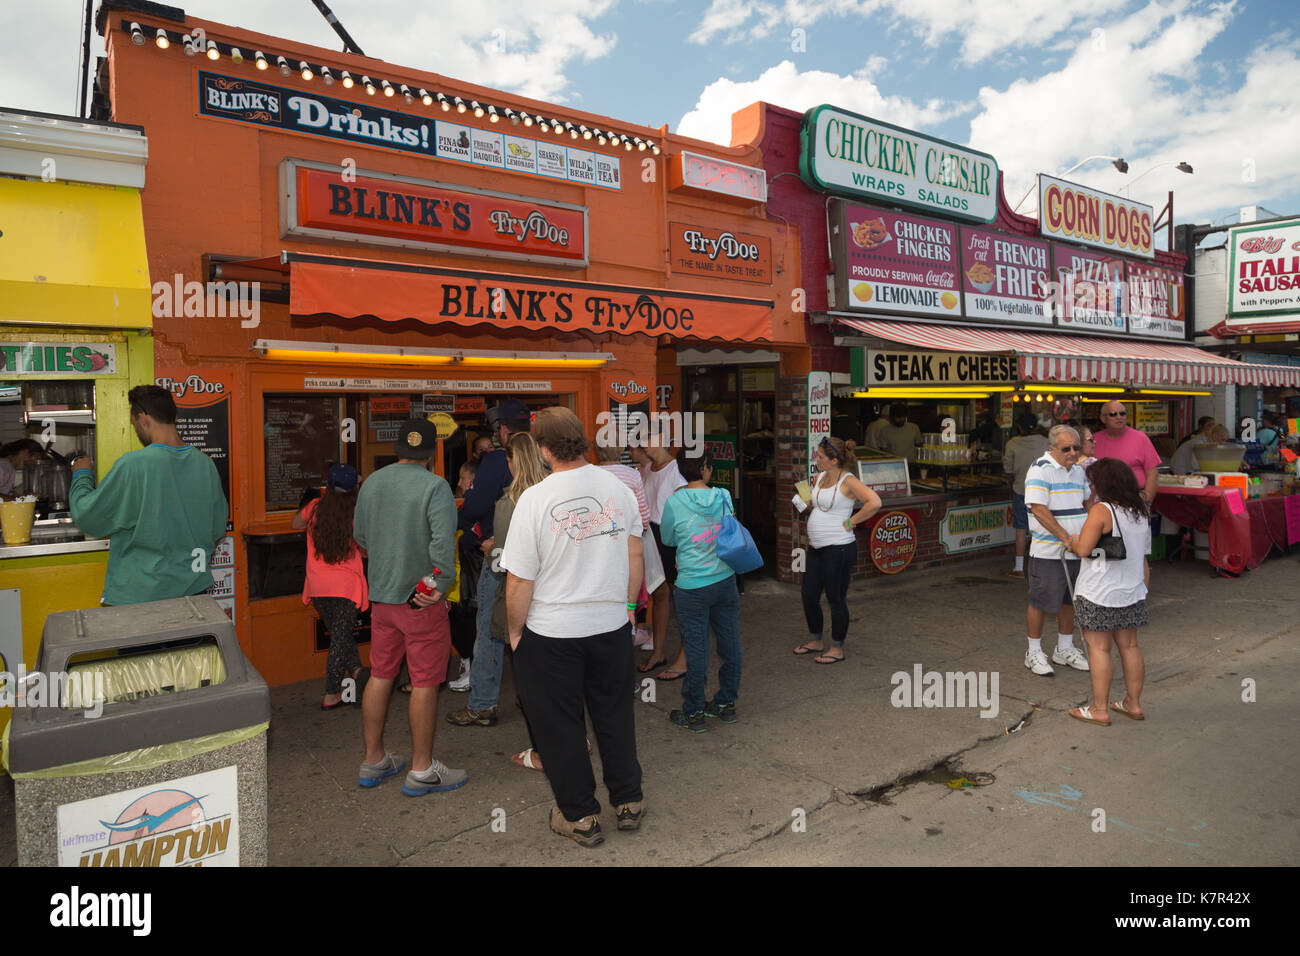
<point x="717" y="606"/>
<point x="489" y="660"/>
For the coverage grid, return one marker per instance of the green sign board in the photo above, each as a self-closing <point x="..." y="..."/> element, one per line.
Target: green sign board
<point x="853" y="155"/>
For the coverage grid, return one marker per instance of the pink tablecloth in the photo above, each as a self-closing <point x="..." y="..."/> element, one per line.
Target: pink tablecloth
<point x="1237" y="541"/>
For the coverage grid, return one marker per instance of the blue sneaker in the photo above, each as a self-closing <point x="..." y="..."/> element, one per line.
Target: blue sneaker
<point x="373" y="774"/>
<point x="437" y="778"/>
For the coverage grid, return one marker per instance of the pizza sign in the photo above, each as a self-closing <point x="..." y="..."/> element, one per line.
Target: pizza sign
<point x="893" y="542"/>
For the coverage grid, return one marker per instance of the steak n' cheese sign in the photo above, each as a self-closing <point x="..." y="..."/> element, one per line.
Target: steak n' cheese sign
<point x="939" y="368"/>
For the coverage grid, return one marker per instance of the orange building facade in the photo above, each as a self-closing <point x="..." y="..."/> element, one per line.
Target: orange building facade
<point x="327" y="261"/>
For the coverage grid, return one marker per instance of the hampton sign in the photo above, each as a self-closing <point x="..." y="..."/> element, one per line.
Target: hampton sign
<point x="295" y="111"/>
<point x="846" y="153"/>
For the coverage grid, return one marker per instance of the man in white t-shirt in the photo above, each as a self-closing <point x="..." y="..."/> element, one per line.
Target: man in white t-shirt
<point x="1055" y="489"/>
<point x="574" y="568"/>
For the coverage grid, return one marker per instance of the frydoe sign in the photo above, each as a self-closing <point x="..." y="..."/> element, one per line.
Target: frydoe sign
<point x="939" y="368"/>
<point x="377" y="209"/>
<point x="843" y="152"/>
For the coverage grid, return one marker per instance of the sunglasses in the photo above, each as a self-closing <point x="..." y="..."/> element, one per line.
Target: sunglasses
<point x="1114" y="414"/>
<point x="1070" y="448"/>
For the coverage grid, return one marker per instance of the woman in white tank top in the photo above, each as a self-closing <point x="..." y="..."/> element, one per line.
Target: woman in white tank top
<point x="1110" y="593"/>
<point x="834" y="547"/>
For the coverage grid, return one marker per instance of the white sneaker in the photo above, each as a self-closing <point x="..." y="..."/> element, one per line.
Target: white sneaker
<point x="1072" y="657"/>
<point x="1036" y="661"/>
<point x="461" y="684"/>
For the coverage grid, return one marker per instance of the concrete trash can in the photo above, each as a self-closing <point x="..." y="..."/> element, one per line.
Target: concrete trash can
<point x="149" y="749"/>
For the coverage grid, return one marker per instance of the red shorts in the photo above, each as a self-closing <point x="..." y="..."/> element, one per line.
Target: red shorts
<point x="423" y="636"/>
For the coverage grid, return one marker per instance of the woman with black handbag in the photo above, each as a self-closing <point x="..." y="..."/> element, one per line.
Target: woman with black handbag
<point x="1110" y="592"/>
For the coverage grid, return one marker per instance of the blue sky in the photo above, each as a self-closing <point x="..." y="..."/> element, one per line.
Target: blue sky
<point x="1040" y="84"/>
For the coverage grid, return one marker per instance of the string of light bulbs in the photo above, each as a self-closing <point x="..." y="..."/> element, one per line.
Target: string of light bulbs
<point x="164" y="39"/>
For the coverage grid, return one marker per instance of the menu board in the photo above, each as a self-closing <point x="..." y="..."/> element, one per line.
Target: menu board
<point x="885" y="476"/>
<point x="889" y="262"/>
<point x="301" y="438"/>
<point x="1088" y="291"/>
<point x="203" y="414"/>
<point x="1004" y="277"/>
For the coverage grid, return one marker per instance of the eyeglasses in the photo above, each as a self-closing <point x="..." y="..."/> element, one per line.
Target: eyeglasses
<point x="1070" y="448"/>
<point x="1114" y="414"/>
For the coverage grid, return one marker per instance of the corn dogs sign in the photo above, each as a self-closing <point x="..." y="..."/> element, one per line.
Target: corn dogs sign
<point x="1075" y="213"/>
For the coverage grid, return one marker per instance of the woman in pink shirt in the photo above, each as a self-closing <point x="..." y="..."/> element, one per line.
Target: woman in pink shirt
<point x="1129" y="445"/>
<point x="336" y="580"/>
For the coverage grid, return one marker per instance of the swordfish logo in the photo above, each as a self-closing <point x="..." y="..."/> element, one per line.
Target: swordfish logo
<point x="151" y="821"/>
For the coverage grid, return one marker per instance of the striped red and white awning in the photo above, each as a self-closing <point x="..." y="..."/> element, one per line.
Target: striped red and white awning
<point x="1047" y="357"/>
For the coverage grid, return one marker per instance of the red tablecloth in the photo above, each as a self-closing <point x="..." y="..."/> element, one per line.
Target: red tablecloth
<point x="1237" y="541"/>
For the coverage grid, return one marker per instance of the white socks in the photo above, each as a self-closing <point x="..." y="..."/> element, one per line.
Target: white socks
<point x="1020" y="563"/>
<point x="1035" y="644"/>
<point x="1064" y="642"/>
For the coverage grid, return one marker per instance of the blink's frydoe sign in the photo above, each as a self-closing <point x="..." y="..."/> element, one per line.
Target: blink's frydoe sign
<point x="378" y="209"/>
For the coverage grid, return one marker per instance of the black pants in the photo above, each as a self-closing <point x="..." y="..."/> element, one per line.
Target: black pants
<point x="557" y="679"/>
<point x="340" y="617"/>
<point x="829" y="570"/>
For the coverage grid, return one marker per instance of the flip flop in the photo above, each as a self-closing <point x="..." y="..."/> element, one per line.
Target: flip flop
<point x="525" y="759"/>
<point x="651" y="665"/>
<point x="670" y="674"/>
<point x="824" y="659"/>
<point x="803" y="649"/>
<point x="1085" y="714"/>
<point x="1118" y="706"/>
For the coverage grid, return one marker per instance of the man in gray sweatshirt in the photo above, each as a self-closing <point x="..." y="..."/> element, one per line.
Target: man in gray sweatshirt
<point x="406" y="520"/>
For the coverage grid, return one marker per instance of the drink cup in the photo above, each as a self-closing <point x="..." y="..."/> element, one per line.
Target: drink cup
<point x="804" y="491"/>
<point x="16" y="520"/>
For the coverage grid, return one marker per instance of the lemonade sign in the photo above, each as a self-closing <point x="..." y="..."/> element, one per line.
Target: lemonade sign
<point x="890" y="262"/>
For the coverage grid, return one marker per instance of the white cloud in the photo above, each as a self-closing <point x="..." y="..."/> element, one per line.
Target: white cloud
<point x="783" y="85"/>
<point x="984" y="28"/>
<point x="541" y="38"/>
<point x="1148" y="95"/>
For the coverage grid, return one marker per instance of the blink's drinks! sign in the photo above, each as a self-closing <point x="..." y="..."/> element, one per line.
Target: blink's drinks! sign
<point x="297" y="111"/>
<point x="889" y="262"/>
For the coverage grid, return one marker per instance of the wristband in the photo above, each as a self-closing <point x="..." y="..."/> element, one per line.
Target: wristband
<point x="632" y="607"/>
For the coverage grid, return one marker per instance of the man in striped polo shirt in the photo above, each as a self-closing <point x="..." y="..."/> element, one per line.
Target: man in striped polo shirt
<point x="1055" y="489"/>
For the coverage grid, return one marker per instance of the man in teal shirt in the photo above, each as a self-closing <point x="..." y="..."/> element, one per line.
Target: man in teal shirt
<point x="162" y="508"/>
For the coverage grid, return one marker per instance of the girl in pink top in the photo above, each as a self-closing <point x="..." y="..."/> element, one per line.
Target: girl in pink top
<point x="336" y="580"/>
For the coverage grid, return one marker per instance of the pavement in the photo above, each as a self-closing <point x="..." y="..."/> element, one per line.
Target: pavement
<point x="824" y="768"/>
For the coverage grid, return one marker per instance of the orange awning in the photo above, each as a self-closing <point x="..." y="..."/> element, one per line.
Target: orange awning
<point x="392" y="291"/>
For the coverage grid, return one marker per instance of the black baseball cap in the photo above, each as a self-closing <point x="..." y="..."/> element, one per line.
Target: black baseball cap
<point x="509" y="411"/>
<point x="417" y="438"/>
